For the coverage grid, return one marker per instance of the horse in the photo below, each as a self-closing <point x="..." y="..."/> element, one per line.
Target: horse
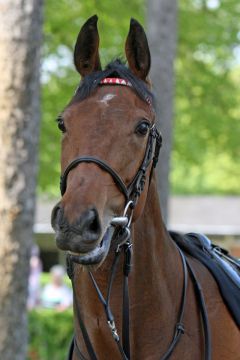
<point x="120" y="254"/>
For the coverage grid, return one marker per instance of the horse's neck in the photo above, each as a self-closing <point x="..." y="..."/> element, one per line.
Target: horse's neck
<point x="157" y="270"/>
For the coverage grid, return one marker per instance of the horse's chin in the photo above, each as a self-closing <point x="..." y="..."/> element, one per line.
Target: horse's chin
<point x="96" y="256"/>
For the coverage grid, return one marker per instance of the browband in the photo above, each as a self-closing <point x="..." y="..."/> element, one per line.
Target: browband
<point x="119" y="81"/>
<point x="115" y="81"/>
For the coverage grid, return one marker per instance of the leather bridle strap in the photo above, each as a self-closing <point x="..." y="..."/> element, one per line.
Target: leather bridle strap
<point x="102" y="164"/>
<point x="200" y="298"/>
<point x="125" y="306"/>
<point x="179" y="328"/>
<point x="88" y="344"/>
<point x="151" y="154"/>
<point x="124" y="351"/>
<point x="204" y="315"/>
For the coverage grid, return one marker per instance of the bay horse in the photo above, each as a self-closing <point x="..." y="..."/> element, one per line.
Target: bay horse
<point x="110" y="213"/>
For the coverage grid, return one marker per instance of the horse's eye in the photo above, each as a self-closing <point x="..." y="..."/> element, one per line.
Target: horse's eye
<point x="142" y="128"/>
<point x="60" y="123"/>
<point x="61" y="126"/>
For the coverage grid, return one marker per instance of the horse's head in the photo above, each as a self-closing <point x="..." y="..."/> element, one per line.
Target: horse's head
<point x="108" y="145"/>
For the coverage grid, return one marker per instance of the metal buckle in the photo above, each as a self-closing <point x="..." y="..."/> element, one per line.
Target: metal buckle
<point x="124" y="238"/>
<point x="124" y="220"/>
<point x="113" y="329"/>
<point x="127" y="207"/>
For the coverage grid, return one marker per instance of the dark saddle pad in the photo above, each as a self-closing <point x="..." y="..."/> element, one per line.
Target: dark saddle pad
<point x="224" y="268"/>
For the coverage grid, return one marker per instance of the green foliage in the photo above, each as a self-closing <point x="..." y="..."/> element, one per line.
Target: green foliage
<point x="50" y="334"/>
<point x="50" y="331"/>
<point x="206" y="149"/>
<point x="207" y="128"/>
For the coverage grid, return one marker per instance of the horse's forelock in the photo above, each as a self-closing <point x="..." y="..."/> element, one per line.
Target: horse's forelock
<point x="116" y="68"/>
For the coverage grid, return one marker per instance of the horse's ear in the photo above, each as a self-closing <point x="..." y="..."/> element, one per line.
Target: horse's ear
<point x="137" y="50"/>
<point x="86" y="55"/>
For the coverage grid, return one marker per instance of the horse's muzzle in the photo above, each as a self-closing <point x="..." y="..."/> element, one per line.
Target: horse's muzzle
<point x="80" y="237"/>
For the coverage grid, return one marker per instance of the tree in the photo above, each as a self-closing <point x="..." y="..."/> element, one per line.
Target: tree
<point x="207" y="128"/>
<point x="162" y="40"/>
<point x="20" y="38"/>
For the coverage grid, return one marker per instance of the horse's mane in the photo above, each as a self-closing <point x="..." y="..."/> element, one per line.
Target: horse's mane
<point x="116" y="68"/>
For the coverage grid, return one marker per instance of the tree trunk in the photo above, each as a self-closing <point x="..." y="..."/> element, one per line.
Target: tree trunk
<point x="20" y="38"/>
<point x="162" y="38"/>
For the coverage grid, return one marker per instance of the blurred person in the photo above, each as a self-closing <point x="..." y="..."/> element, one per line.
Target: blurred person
<point x="34" y="278"/>
<point x="56" y="294"/>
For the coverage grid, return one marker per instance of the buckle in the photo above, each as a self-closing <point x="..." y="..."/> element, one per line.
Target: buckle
<point x="113" y="329"/>
<point x="180" y="328"/>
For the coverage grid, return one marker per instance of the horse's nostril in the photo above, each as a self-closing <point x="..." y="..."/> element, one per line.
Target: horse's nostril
<point x="94" y="226"/>
<point x="90" y="225"/>
<point x="55" y="215"/>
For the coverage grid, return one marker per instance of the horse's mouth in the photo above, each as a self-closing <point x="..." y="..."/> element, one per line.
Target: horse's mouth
<point x="98" y="254"/>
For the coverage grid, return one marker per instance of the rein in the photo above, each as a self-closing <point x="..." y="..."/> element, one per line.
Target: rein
<point x="120" y="230"/>
<point x="124" y="348"/>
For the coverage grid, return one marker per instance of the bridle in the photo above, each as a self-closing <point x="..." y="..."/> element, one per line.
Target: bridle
<point x="120" y="230"/>
<point x="122" y="225"/>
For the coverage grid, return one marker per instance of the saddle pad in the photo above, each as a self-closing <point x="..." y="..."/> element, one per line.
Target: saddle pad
<point x="228" y="284"/>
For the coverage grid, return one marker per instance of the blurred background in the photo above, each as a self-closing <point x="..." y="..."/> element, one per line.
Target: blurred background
<point x="195" y="46"/>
